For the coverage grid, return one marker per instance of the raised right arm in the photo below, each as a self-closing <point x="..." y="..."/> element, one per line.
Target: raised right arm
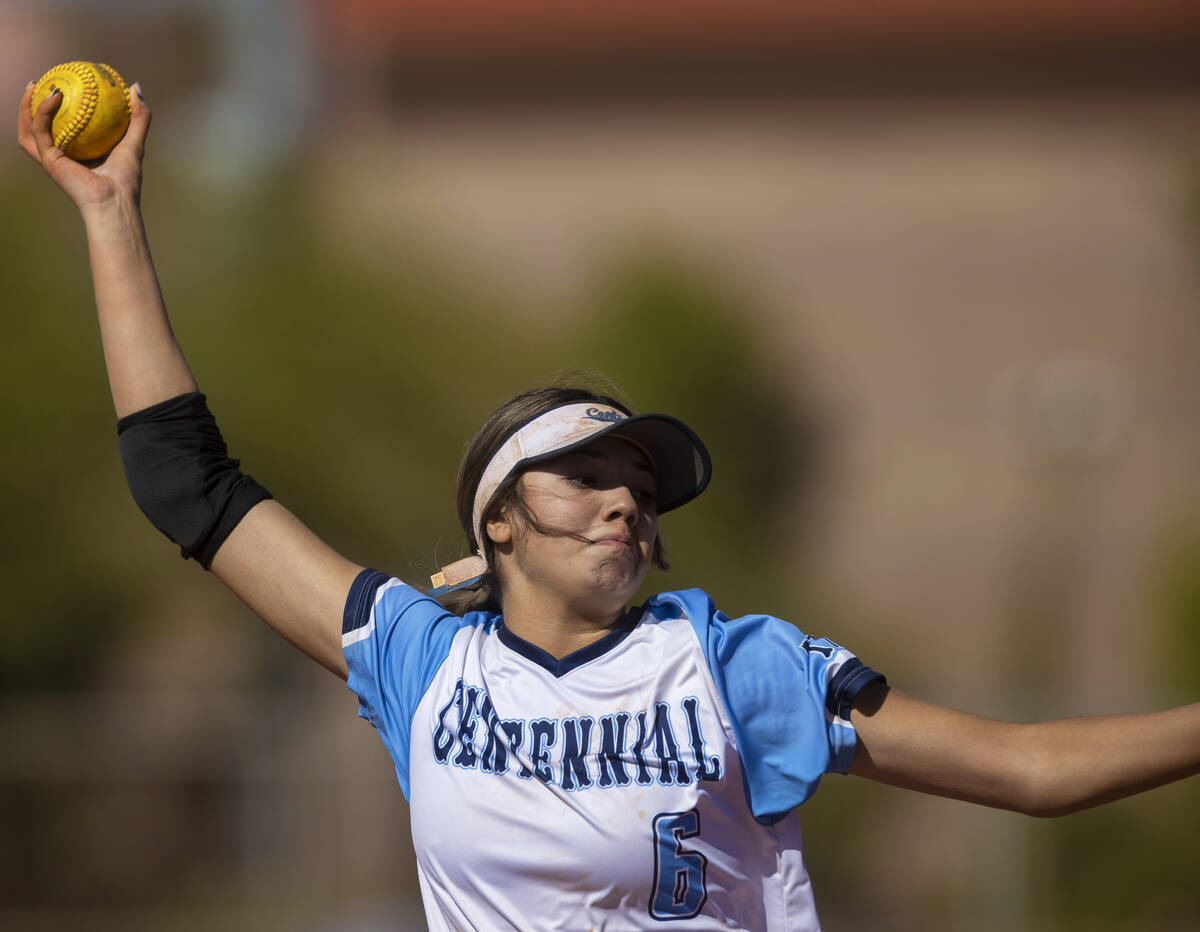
<point x="276" y="565"/>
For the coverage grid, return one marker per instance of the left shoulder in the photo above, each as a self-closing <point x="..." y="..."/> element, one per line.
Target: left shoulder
<point x="698" y="608"/>
<point x="691" y="604"/>
<point x="720" y="637"/>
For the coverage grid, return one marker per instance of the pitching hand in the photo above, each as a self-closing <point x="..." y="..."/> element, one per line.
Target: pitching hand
<point x="116" y="175"/>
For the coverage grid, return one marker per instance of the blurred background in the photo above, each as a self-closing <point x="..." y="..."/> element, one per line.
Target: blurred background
<point x="924" y="275"/>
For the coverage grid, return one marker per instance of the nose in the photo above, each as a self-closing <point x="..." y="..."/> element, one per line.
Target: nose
<point x="620" y="504"/>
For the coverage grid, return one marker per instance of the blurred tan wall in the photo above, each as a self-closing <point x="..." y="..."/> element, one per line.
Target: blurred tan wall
<point x="985" y="286"/>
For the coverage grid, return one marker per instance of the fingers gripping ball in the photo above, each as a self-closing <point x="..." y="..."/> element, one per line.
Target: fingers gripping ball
<point x="95" y="108"/>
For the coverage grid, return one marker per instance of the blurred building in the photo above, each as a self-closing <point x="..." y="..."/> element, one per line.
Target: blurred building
<point x="966" y="227"/>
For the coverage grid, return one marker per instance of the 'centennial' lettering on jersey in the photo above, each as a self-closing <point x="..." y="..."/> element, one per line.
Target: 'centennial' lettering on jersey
<point x="591" y="753"/>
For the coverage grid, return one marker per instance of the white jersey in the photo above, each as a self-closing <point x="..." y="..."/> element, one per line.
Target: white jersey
<point x="647" y="781"/>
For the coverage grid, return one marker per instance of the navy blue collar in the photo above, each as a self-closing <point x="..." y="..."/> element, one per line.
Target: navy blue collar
<point x="557" y="667"/>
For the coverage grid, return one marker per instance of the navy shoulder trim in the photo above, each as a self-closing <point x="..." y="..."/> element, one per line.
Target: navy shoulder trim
<point x="360" y="599"/>
<point x="846" y="684"/>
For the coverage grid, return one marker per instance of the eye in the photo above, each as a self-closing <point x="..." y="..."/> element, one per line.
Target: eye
<point x="645" y="497"/>
<point x="584" y="481"/>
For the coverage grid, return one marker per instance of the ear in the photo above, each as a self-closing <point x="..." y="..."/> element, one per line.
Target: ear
<point x="499" y="530"/>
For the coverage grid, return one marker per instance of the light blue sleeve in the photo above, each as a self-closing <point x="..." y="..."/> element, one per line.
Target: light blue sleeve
<point x="788" y="697"/>
<point x="395" y="638"/>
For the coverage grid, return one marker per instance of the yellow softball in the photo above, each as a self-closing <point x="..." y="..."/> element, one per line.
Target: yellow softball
<point x="95" y="107"/>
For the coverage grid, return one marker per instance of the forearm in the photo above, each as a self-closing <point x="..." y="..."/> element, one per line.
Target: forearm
<point x="144" y="361"/>
<point x="1084" y="762"/>
<point x="1044" y="769"/>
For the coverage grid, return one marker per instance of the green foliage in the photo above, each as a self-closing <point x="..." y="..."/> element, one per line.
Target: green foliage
<point x="61" y="606"/>
<point x="1190" y="203"/>
<point x="1179" y="597"/>
<point x="1092" y="874"/>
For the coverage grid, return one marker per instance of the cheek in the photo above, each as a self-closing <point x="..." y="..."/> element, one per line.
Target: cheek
<point x="557" y="515"/>
<point x="552" y="513"/>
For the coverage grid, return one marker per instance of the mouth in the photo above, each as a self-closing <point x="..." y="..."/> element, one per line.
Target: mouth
<point x="616" y="541"/>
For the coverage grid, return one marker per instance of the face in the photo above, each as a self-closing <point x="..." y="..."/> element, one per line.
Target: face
<point x="596" y="509"/>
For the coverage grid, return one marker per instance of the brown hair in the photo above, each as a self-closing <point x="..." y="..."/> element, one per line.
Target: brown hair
<point x="501" y="424"/>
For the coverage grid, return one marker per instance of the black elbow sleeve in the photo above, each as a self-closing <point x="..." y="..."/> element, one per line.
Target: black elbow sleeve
<point x="181" y="476"/>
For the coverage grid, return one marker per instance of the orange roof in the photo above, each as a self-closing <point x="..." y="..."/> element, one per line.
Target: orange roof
<point x="435" y="28"/>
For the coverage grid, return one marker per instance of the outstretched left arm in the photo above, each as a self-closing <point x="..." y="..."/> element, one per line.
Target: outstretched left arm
<point x="1047" y="769"/>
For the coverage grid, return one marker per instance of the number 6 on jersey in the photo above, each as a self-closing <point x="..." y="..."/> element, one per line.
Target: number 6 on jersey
<point x="679" y="874"/>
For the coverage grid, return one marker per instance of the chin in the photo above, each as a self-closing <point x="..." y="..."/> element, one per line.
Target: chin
<point x="618" y="584"/>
